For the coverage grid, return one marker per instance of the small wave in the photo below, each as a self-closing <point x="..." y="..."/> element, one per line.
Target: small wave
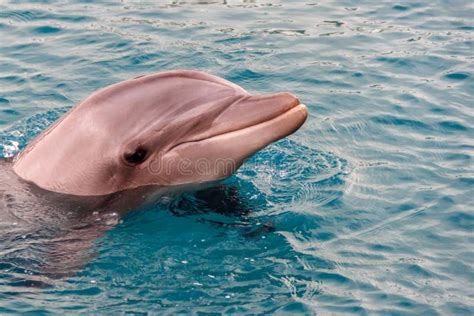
<point x="14" y="139"/>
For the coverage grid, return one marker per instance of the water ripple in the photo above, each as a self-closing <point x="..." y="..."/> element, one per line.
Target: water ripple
<point x="366" y="210"/>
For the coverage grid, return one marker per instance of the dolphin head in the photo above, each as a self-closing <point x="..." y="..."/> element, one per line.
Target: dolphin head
<point x="164" y="129"/>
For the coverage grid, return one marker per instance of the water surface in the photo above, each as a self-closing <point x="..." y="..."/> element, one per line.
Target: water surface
<point x="370" y="204"/>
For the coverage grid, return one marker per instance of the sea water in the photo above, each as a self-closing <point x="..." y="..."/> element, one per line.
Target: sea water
<point x="367" y="209"/>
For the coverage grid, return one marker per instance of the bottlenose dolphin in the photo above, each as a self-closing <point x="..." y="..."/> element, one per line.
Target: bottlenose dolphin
<point x="115" y="150"/>
<point x="169" y="128"/>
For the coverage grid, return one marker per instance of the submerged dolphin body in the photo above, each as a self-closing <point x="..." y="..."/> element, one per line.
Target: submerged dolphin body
<point x="165" y="129"/>
<point x="47" y="236"/>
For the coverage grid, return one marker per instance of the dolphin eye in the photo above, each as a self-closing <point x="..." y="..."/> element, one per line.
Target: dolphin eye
<point x="136" y="157"/>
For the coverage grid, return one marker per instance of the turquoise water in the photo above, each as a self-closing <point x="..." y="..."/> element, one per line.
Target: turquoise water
<point x="368" y="209"/>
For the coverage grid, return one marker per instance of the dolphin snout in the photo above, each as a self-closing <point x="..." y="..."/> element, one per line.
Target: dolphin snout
<point x="254" y="110"/>
<point x="286" y="98"/>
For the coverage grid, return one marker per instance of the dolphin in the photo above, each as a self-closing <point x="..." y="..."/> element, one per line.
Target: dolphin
<point x="166" y="129"/>
<point x="123" y="147"/>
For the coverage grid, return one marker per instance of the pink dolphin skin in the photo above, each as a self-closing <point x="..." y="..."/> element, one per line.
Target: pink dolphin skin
<point x="164" y="129"/>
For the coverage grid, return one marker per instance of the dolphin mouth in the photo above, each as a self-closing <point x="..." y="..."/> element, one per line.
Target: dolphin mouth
<point x="276" y="116"/>
<point x="276" y="124"/>
<point x="270" y="125"/>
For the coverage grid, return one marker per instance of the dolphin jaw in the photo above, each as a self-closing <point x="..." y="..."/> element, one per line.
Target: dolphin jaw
<point x="268" y="115"/>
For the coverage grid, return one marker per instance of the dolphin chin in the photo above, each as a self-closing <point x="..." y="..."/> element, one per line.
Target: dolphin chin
<point x="170" y="128"/>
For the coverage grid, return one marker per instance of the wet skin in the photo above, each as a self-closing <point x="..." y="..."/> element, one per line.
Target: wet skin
<point x="124" y="147"/>
<point x="164" y="129"/>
